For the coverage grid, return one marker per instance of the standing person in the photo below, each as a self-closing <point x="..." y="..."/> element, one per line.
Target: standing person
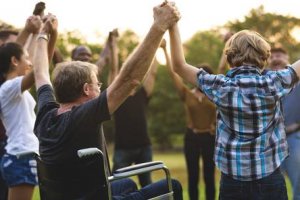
<point x="250" y="140"/>
<point x="279" y="60"/>
<point x="18" y="117"/>
<point x="199" y="139"/>
<point x="73" y="122"/>
<point x="5" y="37"/>
<point x="132" y="142"/>
<point x="84" y="53"/>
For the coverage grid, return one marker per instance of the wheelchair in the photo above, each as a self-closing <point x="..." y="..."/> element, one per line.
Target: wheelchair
<point x="89" y="179"/>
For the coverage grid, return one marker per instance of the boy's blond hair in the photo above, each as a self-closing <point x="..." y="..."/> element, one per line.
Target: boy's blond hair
<point x="247" y="47"/>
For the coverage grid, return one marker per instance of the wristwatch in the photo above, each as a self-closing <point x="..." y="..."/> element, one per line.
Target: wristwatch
<point x="43" y="36"/>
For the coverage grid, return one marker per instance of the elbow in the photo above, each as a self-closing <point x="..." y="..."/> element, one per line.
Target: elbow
<point x="178" y="66"/>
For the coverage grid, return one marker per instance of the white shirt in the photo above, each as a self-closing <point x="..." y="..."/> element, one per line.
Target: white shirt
<point x="17" y="114"/>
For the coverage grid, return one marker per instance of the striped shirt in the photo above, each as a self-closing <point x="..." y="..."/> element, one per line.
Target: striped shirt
<point x="250" y="136"/>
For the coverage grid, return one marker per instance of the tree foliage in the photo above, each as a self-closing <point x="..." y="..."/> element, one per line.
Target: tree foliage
<point x="277" y="29"/>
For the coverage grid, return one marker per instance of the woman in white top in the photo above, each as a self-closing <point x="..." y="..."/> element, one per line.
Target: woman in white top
<point x="17" y="113"/>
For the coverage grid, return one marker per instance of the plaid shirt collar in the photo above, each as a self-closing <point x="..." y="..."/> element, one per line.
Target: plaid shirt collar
<point x="243" y="70"/>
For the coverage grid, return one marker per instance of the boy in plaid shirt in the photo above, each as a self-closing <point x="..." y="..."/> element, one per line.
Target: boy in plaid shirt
<point x="250" y="137"/>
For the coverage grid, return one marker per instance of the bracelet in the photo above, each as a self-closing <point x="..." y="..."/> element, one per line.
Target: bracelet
<point x="43" y="36"/>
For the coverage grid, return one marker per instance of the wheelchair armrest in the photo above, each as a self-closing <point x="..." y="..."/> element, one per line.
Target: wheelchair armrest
<point x="26" y="154"/>
<point x="137" y="169"/>
<point x="88" y="152"/>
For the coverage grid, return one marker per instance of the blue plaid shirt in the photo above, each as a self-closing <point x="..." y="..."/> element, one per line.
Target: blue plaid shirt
<point x="250" y="136"/>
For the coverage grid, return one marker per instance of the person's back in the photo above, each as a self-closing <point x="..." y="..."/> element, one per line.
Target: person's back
<point x="250" y="121"/>
<point x="250" y="137"/>
<point x="131" y="123"/>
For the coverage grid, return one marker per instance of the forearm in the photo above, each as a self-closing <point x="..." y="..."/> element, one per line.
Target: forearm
<point x="222" y="64"/>
<point x="41" y="64"/>
<point x="51" y="45"/>
<point x="186" y="71"/>
<point x="32" y="46"/>
<point x="114" y="68"/>
<point x="134" y="68"/>
<point x="177" y="54"/>
<point x="176" y="79"/>
<point x="149" y="80"/>
<point x="137" y="65"/>
<point x="22" y="37"/>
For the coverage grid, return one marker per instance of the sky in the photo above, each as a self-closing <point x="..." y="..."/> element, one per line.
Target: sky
<point x="95" y="18"/>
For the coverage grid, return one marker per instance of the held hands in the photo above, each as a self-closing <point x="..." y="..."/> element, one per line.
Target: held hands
<point x="33" y="24"/>
<point x="165" y="15"/>
<point x="50" y="24"/>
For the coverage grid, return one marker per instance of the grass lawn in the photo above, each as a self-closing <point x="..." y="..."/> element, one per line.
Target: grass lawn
<point x="175" y="162"/>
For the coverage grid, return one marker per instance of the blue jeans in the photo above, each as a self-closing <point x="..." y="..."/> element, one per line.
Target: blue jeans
<point x="127" y="190"/>
<point x="292" y="164"/>
<point x="126" y="157"/>
<point x="271" y="187"/>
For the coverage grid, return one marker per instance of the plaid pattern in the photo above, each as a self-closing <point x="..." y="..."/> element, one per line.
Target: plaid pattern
<point x="250" y="136"/>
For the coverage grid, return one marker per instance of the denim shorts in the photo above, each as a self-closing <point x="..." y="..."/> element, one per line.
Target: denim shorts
<point x="18" y="171"/>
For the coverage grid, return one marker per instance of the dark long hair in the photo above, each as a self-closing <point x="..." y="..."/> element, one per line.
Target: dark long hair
<point x="7" y="51"/>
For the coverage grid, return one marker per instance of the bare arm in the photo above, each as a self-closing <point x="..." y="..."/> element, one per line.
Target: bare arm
<point x="114" y="64"/>
<point x="51" y="45"/>
<point x="223" y="61"/>
<point x="33" y="25"/>
<point x="41" y="62"/>
<point x="222" y="64"/>
<point x="107" y="55"/>
<point x="137" y="64"/>
<point x="149" y="80"/>
<point x="186" y="71"/>
<point x="179" y="85"/>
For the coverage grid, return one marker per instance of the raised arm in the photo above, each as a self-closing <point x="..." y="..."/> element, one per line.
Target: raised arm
<point x="106" y="55"/>
<point x="179" y="85"/>
<point x="136" y="66"/>
<point x="223" y="61"/>
<point x="186" y="71"/>
<point x="51" y="46"/>
<point x="40" y="61"/>
<point x="149" y="79"/>
<point x="33" y="25"/>
<point x="114" y="59"/>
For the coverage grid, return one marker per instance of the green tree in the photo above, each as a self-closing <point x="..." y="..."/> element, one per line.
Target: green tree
<point x="204" y="47"/>
<point x="276" y="28"/>
<point x="165" y="111"/>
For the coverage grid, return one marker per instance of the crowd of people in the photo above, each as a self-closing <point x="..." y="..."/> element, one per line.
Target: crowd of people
<point x="244" y="120"/>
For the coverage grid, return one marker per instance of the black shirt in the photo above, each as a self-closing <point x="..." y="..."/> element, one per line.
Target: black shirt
<point x="60" y="136"/>
<point x="130" y="122"/>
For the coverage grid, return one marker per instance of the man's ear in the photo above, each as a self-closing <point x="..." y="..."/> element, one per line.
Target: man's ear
<point x="86" y="89"/>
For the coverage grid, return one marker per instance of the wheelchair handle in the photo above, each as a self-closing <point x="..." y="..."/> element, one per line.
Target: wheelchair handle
<point x="88" y="152"/>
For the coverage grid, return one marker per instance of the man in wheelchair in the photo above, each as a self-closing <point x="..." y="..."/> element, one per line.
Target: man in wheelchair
<point x="72" y="108"/>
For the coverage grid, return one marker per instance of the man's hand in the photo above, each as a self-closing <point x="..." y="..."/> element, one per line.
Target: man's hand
<point x="165" y="15"/>
<point x="33" y="24"/>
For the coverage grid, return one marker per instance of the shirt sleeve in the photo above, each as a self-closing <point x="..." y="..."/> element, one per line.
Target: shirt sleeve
<point x="94" y="111"/>
<point x="12" y="88"/>
<point x="283" y="80"/>
<point x="45" y="97"/>
<point x="209" y="83"/>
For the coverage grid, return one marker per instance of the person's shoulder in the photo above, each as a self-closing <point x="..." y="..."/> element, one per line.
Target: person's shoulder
<point x="11" y="83"/>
